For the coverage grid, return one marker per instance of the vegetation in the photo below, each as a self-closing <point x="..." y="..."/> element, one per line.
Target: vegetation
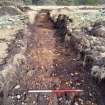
<point x="90" y="2"/>
<point x="64" y="2"/>
<point x="46" y="2"/>
<point x="28" y="2"/>
<point x="61" y="2"/>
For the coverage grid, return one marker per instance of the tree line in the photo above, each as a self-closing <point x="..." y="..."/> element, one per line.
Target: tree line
<point x="62" y="2"/>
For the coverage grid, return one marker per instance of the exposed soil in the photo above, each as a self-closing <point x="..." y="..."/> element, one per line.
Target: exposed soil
<point x="52" y="66"/>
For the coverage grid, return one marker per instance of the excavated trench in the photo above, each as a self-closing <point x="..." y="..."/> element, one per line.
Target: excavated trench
<point x="56" y="68"/>
<point x="49" y="65"/>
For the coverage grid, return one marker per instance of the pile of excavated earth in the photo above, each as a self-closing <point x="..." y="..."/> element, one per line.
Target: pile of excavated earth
<point x="12" y="21"/>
